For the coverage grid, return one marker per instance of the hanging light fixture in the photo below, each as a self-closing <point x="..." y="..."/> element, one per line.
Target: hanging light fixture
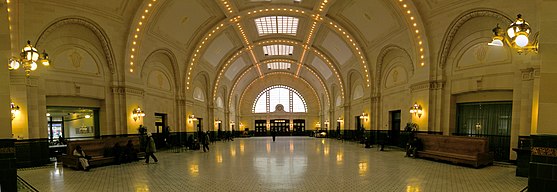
<point x="29" y="59"/>
<point x="137" y="113"/>
<point x="516" y="36"/>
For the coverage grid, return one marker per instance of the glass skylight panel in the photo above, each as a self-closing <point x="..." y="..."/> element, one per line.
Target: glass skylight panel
<point x="270" y="50"/>
<point x="277" y="24"/>
<point x="278" y="65"/>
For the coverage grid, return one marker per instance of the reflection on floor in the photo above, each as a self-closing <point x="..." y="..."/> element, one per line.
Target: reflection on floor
<point x="289" y="164"/>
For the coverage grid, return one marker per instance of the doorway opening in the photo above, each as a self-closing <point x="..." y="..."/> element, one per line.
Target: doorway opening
<point x="394" y="132"/>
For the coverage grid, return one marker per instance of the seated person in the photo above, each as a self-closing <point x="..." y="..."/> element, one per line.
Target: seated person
<point x="83" y="159"/>
<point x="117" y="152"/>
<point x="130" y="154"/>
<point x="413" y="147"/>
<point x="61" y="140"/>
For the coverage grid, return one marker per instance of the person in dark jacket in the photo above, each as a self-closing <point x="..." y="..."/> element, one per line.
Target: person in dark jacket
<point x="205" y="141"/>
<point x="150" y="149"/>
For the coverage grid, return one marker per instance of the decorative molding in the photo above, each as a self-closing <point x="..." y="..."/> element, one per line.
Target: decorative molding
<point x="529" y="74"/>
<point x="381" y="67"/>
<point x="95" y="28"/>
<point x="544" y="151"/>
<point x="128" y="90"/>
<point x="427" y="85"/>
<point x="458" y="23"/>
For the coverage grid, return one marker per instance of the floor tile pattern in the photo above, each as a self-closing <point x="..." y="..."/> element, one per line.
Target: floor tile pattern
<point x="289" y="164"/>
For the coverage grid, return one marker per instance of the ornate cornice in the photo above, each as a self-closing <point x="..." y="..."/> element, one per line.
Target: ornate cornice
<point x="530" y="73"/>
<point x="427" y="85"/>
<point x="128" y="90"/>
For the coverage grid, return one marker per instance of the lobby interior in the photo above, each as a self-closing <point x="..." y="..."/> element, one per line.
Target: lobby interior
<point x="348" y="71"/>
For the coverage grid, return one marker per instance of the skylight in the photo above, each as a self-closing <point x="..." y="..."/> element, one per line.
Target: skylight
<point x="276" y="24"/>
<point x="278" y="65"/>
<point x="270" y="50"/>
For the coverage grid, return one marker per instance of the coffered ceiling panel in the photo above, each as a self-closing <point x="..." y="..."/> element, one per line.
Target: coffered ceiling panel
<point x="337" y="48"/>
<point x="321" y="67"/>
<point x="235" y="68"/>
<point x="179" y="20"/>
<point x="374" y="19"/>
<point x="219" y="47"/>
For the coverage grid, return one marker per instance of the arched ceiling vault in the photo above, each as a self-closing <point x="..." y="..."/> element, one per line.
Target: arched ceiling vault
<point x="313" y="15"/>
<point x="316" y="52"/>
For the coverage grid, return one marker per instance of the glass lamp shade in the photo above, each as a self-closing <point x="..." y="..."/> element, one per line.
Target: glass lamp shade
<point x="497" y="41"/>
<point x="13" y="64"/>
<point x="33" y="66"/>
<point x="521" y="40"/>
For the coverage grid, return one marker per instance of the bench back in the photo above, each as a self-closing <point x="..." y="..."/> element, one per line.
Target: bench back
<point x="454" y="144"/>
<point x="97" y="147"/>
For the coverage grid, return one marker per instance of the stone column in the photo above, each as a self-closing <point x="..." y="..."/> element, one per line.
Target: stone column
<point x="547" y="111"/>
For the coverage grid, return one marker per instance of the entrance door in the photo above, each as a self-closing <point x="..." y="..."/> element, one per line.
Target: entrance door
<point x="160" y="122"/>
<point x="261" y="127"/>
<point x="299" y="126"/>
<point x="359" y="128"/>
<point x="395" y="127"/>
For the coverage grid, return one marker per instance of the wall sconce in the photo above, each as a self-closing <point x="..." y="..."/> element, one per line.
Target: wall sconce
<point x="516" y="36"/>
<point x="363" y="116"/>
<point x="137" y="113"/>
<point x="14" y="109"/>
<point x="232" y="123"/>
<point x="416" y="110"/>
<point x="340" y="120"/>
<point x="192" y="118"/>
<point x="317" y="124"/>
<point x="218" y="121"/>
<point x="28" y="58"/>
<point x="478" y="126"/>
<point x="87" y="116"/>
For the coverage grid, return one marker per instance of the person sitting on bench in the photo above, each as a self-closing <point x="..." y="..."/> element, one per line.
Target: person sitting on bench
<point x="83" y="159"/>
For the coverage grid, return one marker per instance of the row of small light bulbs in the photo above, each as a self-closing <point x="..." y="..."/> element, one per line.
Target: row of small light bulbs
<point x="407" y="10"/>
<point x="248" y="43"/>
<point x="235" y="85"/>
<point x="356" y="48"/>
<point x="138" y="29"/>
<point x="317" y="17"/>
<point x="320" y="81"/>
<point x="233" y="20"/>
<point x="321" y="55"/>
<point x="228" y="62"/>
<point x="334" y="70"/>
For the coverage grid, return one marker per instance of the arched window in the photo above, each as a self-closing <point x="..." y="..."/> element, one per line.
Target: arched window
<point x="279" y="97"/>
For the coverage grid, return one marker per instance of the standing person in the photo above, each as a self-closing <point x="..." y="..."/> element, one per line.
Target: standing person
<point x="81" y="157"/>
<point x="150" y="149"/>
<point x="274" y="135"/>
<point x="205" y="141"/>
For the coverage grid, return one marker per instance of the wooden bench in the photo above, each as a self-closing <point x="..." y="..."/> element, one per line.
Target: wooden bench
<point x="100" y="151"/>
<point x="457" y="149"/>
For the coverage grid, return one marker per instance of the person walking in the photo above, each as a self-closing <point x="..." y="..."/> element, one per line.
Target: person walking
<point x="205" y="141"/>
<point x="274" y="135"/>
<point x="150" y="149"/>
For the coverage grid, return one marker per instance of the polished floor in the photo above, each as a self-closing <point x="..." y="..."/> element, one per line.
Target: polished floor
<point x="289" y="164"/>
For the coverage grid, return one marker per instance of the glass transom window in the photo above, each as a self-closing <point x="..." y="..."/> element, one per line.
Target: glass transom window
<point x="278" y="65"/>
<point x="277" y="24"/>
<point x="288" y="98"/>
<point x="270" y="50"/>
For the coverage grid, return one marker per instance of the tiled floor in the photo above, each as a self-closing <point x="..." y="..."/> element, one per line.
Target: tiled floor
<point x="289" y="164"/>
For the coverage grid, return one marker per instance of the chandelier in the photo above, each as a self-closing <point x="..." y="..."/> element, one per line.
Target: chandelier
<point x="516" y="36"/>
<point x="28" y="59"/>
